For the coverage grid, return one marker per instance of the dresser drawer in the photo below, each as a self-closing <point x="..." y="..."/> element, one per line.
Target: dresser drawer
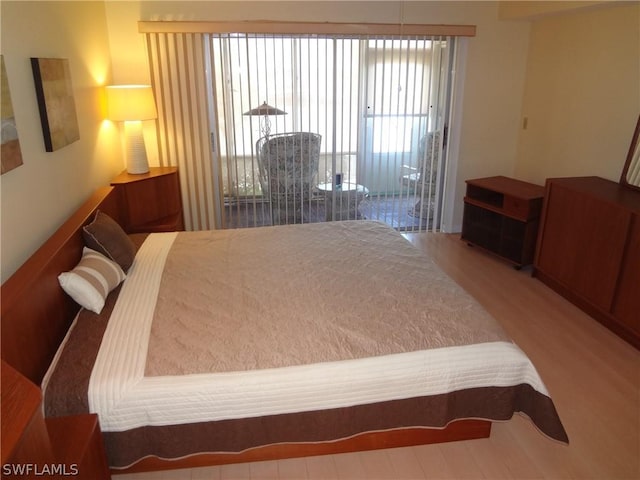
<point x="525" y="209"/>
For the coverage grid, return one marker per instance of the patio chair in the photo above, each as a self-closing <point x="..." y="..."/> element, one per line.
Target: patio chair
<point x="422" y="179"/>
<point x="288" y="165"/>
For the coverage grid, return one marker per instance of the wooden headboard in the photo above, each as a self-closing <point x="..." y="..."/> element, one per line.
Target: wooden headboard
<point x="36" y="313"/>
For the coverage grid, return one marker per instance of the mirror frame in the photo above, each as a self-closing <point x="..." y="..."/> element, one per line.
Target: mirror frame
<point x="635" y="145"/>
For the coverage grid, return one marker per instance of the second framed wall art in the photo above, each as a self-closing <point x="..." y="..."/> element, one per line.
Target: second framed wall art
<point x="57" y="107"/>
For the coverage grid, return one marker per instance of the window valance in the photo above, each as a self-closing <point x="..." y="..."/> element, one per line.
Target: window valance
<point x="317" y="28"/>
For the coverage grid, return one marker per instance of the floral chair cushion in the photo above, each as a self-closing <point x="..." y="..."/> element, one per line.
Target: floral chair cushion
<point x="289" y="169"/>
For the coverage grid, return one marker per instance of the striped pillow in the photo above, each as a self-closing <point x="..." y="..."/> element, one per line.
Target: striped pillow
<point x="91" y="280"/>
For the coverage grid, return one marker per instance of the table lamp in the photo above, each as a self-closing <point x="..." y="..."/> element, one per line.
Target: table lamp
<point x="131" y="104"/>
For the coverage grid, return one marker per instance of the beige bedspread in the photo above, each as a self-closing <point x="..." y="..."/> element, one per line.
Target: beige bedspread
<point x="274" y="295"/>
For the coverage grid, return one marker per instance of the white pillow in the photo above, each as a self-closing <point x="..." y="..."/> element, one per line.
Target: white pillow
<point x="91" y="280"/>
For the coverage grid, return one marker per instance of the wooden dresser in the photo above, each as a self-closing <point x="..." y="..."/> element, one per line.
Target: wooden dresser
<point x="588" y="249"/>
<point x="150" y="202"/>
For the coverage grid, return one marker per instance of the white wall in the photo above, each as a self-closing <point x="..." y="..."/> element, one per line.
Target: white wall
<point x="495" y="67"/>
<point x="582" y="95"/>
<point x="39" y="195"/>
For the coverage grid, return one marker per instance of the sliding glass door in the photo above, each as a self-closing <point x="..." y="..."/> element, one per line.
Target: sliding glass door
<point x="375" y="103"/>
<point x="406" y="101"/>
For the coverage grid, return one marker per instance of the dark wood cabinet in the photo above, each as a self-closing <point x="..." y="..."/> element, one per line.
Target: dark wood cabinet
<point x="501" y="216"/>
<point x="150" y="202"/>
<point x="588" y="249"/>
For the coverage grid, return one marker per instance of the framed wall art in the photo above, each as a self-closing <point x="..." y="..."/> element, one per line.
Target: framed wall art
<point x="57" y="107"/>
<point x="11" y="155"/>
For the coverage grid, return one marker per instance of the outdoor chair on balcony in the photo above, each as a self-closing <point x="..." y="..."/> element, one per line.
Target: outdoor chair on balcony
<point x="422" y="180"/>
<point x="288" y="165"/>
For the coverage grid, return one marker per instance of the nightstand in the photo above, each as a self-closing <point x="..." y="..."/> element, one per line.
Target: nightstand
<point x="501" y="215"/>
<point x="77" y="443"/>
<point x="150" y="202"/>
<point x="62" y="446"/>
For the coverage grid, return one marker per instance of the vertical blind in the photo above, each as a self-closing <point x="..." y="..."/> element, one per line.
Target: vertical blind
<point x="379" y="103"/>
<point x="178" y="63"/>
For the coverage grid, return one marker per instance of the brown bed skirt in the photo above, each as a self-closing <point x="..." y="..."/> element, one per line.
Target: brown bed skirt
<point x="233" y="436"/>
<point x="404" y="437"/>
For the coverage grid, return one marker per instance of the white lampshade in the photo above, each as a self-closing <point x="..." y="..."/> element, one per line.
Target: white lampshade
<point x="130" y="102"/>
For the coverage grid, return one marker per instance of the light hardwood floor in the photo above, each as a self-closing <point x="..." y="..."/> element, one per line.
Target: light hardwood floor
<point x="592" y="375"/>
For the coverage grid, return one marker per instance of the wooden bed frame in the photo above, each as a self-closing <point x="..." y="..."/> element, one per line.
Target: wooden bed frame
<point x="36" y="315"/>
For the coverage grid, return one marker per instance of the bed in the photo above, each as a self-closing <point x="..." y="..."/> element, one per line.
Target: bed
<point x="275" y="342"/>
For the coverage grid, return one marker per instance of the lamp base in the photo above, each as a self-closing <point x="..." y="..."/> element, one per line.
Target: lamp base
<point x="135" y="151"/>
